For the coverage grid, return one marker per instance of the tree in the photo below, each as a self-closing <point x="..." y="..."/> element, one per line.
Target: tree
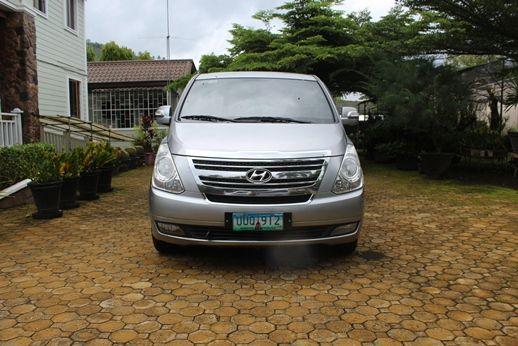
<point x="90" y="54"/>
<point x="476" y="27"/>
<point x="426" y="106"/>
<point x="465" y="61"/>
<point x="214" y="63"/>
<point x="316" y="38"/>
<point x="111" y="51"/>
<point x="145" y="55"/>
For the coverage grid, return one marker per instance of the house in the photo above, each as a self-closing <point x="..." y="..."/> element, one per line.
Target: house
<point x="120" y="92"/>
<point x="490" y="88"/>
<point x="43" y="60"/>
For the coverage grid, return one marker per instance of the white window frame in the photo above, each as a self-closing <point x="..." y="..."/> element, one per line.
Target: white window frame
<point x="65" y="16"/>
<point x="68" y="78"/>
<point x="45" y="13"/>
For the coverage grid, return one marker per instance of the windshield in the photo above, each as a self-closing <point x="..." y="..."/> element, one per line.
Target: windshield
<point x="257" y="100"/>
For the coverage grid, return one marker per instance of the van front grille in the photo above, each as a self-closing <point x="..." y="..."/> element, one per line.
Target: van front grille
<point x="258" y="200"/>
<point x="217" y="233"/>
<point x="286" y="175"/>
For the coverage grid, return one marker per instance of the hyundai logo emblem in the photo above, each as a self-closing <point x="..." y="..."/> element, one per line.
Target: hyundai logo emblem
<point x="259" y="176"/>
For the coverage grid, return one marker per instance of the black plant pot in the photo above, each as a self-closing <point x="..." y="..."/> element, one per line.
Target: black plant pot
<point x="69" y="194"/>
<point x="116" y="170"/>
<point x="133" y="162"/>
<point x="105" y="180"/>
<point x="435" y="165"/>
<point x="513" y="138"/>
<point x="88" y="185"/>
<point x="407" y="163"/>
<point x="46" y="197"/>
<point x="124" y="166"/>
<point x="382" y="157"/>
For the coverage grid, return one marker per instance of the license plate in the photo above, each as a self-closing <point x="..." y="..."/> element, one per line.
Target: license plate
<point x="257" y="222"/>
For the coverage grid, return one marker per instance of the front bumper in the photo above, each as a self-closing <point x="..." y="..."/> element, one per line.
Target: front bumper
<point x="192" y="208"/>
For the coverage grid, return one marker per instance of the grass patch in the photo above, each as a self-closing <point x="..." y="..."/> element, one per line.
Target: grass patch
<point x="412" y="184"/>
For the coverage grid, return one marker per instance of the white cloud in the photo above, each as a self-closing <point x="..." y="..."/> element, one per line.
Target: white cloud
<point x="198" y="26"/>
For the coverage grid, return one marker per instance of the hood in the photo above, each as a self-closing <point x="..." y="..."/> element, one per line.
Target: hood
<point x="257" y="140"/>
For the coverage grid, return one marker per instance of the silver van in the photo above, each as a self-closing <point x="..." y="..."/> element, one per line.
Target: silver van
<point x="256" y="159"/>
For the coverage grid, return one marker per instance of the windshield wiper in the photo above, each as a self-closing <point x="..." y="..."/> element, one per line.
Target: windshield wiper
<point x="206" y="118"/>
<point x="270" y="120"/>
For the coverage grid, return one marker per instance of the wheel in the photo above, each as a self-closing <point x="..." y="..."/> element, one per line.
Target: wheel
<point x="349" y="248"/>
<point x="162" y="246"/>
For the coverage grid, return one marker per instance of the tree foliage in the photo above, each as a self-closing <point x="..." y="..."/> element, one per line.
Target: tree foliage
<point x="425" y="106"/>
<point x="111" y="51"/>
<point x="475" y="27"/>
<point x="214" y="63"/>
<point x="145" y="55"/>
<point x="90" y="54"/>
<point x="316" y="38"/>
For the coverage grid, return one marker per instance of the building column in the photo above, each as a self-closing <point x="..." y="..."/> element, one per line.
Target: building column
<point x="18" y="70"/>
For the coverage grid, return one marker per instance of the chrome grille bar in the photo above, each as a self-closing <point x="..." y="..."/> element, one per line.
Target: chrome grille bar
<point x="288" y="177"/>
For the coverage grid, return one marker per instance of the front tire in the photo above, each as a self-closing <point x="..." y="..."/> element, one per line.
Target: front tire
<point x="161" y="246"/>
<point x="349" y="248"/>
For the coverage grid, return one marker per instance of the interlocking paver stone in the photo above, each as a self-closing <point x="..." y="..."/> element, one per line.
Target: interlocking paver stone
<point x="430" y="270"/>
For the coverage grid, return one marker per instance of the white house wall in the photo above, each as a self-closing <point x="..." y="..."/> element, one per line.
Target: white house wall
<point x="60" y="53"/>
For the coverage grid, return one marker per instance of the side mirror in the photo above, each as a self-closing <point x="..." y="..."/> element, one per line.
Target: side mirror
<point x="350" y="118"/>
<point x="162" y="116"/>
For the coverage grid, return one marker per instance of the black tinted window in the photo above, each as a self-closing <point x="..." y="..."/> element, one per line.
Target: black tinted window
<point x="233" y="98"/>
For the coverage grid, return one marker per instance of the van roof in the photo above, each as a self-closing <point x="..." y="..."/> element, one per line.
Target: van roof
<point x="277" y="75"/>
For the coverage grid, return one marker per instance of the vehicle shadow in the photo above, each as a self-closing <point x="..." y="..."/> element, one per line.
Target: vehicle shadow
<point x="271" y="258"/>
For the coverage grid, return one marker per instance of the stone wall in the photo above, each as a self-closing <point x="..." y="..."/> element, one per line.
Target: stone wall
<point x="18" y="70"/>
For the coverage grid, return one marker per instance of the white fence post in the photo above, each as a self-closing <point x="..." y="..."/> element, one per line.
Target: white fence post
<point x="18" y="117"/>
<point x="11" y="128"/>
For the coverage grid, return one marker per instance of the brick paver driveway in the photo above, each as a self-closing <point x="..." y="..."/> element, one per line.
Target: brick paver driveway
<point x="435" y="269"/>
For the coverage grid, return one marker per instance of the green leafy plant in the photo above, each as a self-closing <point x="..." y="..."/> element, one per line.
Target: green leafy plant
<point x="98" y="155"/>
<point x="426" y="107"/>
<point x="132" y="152"/>
<point x="38" y="162"/>
<point x="70" y="163"/>
<point x="157" y="140"/>
<point x="145" y="133"/>
<point x="122" y="156"/>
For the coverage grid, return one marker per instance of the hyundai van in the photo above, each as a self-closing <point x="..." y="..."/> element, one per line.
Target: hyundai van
<point x="256" y="159"/>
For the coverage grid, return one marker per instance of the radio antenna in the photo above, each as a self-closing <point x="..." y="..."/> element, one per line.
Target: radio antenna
<point x="168" y="34"/>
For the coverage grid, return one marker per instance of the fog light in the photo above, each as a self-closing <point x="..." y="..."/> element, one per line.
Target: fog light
<point x="345" y="229"/>
<point x="169" y="229"/>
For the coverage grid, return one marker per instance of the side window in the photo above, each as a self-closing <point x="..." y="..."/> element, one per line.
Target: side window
<point x="71" y="13"/>
<point x="40" y="5"/>
<point x="74" y="98"/>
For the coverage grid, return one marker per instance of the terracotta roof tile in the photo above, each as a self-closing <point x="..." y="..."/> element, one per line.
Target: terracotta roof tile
<point x="103" y="72"/>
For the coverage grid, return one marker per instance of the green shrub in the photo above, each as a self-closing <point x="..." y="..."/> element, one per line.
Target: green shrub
<point x="38" y="162"/>
<point x="132" y="152"/>
<point x="70" y="163"/>
<point x="98" y="155"/>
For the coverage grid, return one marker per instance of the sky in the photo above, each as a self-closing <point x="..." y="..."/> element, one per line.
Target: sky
<point x="197" y="26"/>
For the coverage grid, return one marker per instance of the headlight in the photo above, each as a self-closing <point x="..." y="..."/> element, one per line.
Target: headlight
<point x="350" y="176"/>
<point x="165" y="175"/>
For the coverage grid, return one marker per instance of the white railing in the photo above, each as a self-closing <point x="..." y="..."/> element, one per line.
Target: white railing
<point x="10" y="129"/>
<point x="66" y="133"/>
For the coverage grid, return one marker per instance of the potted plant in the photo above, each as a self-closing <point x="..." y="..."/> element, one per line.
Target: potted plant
<point x="384" y="153"/>
<point x="43" y="169"/>
<point x="70" y="170"/>
<point x="406" y="156"/>
<point x="89" y="181"/>
<point x="145" y="137"/>
<point x="436" y="162"/>
<point x="106" y="158"/>
<point x="141" y="155"/>
<point x="133" y="157"/>
<point x="512" y="134"/>
<point x="123" y="159"/>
